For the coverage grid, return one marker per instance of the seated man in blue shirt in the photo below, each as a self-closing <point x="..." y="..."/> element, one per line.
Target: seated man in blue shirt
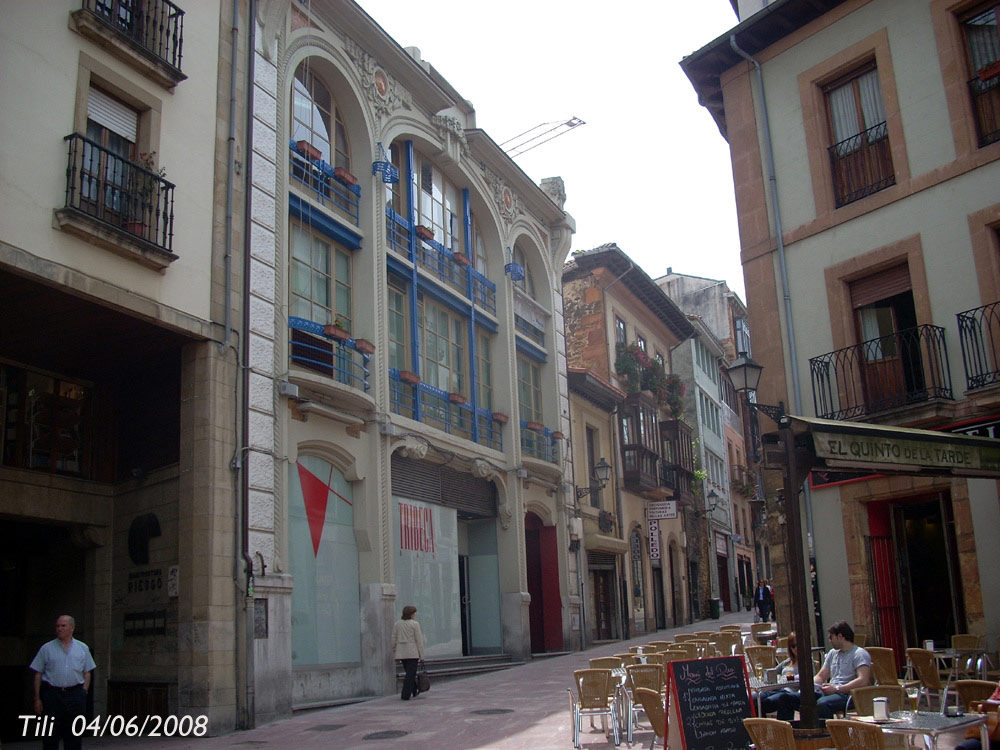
<point x="846" y="667"/>
<point x="62" y="670"/>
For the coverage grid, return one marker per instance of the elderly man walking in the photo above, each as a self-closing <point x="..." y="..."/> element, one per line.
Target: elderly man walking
<point x="62" y="670"/>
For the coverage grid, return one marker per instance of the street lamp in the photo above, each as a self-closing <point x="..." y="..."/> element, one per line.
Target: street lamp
<point x="599" y="477"/>
<point x="745" y="375"/>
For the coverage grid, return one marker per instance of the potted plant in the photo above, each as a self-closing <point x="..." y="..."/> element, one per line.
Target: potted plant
<point x="424" y="233"/>
<point x="308" y="150"/>
<point x="341" y="175"/>
<point x="409" y="377"/>
<point x="558" y="435"/>
<point x="457" y="398"/>
<point x="337" y="329"/>
<point x="364" y="346"/>
<point x="460" y="258"/>
<point x="536" y="426"/>
<point x="500" y="418"/>
<point x="146" y="184"/>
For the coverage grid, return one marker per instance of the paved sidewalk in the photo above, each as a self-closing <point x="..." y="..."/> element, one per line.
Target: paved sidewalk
<point x="522" y="707"/>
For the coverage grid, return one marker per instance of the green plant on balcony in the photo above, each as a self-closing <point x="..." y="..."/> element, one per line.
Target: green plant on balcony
<point x="643" y="373"/>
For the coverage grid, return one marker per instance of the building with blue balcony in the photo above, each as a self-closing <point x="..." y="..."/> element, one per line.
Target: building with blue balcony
<point x="406" y="388"/>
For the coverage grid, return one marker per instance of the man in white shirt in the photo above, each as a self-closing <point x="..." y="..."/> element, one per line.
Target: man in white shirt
<point x="62" y="670"/>
<point x="846" y="667"/>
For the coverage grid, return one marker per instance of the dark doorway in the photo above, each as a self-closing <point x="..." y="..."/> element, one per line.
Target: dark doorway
<point x="41" y="577"/>
<point x="463" y="603"/>
<point x="658" y="605"/>
<point x="923" y="533"/>
<point x="724" y="593"/>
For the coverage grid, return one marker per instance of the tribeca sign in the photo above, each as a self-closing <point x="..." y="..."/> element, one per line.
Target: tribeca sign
<point x="891" y="450"/>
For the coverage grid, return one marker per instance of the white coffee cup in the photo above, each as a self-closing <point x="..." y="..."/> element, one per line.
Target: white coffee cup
<point x="880" y="708"/>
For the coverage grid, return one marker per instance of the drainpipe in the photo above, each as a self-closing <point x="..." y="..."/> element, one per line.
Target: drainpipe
<point x="779" y="231"/>
<point x="622" y="574"/>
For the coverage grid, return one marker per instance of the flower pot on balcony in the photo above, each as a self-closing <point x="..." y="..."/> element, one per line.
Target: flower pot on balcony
<point x="343" y="176"/>
<point x="461" y="259"/>
<point x="334" y="331"/>
<point x="536" y="426"/>
<point x="308" y="150"/>
<point x="500" y="418"/>
<point x="424" y="233"/>
<point x="136" y="227"/>
<point x="457" y="398"/>
<point x="409" y="377"/>
<point x="364" y="346"/>
<point x="558" y="435"/>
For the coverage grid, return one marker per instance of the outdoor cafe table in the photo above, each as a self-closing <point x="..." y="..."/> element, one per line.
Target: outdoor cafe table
<point x="958" y="656"/>
<point x="931" y="724"/>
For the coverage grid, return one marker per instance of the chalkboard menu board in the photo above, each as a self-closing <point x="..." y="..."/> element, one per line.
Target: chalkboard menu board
<point x="710" y="699"/>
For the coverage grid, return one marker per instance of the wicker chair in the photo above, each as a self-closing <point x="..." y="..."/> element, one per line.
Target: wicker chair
<point x="760" y="627"/>
<point x="855" y="735"/>
<point x="705" y="634"/>
<point x="635" y="649"/>
<point x="863" y="696"/>
<point x="690" y="649"/>
<point x="648" y="676"/>
<point x="770" y="734"/>
<point x="704" y="648"/>
<point x="684" y="637"/>
<point x="967" y="665"/>
<point x="925" y="665"/>
<point x="656" y="658"/>
<point x="737" y="628"/>
<point x="673" y="654"/>
<point x="860" y="639"/>
<point x="727" y="641"/>
<point x="973" y="690"/>
<point x="762" y="657"/>
<point x="595" y="690"/>
<point x="883" y="665"/>
<point x="652" y="704"/>
<point x="659" y="645"/>
<point x="606" y="662"/>
<point x="627" y="659"/>
<point x="965" y="641"/>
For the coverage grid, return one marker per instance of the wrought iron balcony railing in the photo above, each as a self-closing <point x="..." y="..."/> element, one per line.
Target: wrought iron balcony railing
<point x="903" y="368"/>
<point x="529" y="330"/>
<point x="309" y="347"/>
<point x="323" y="181"/>
<point x="862" y="165"/>
<point x="538" y="443"/>
<point x="434" y="406"/>
<point x="155" y="26"/>
<point x="979" y="333"/>
<point x="119" y="193"/>
<point x="986" y="106"/>
<point x="439" y="261"/>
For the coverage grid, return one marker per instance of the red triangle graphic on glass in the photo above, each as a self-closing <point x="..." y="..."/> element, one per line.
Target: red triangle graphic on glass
<point x="316" y="494"/>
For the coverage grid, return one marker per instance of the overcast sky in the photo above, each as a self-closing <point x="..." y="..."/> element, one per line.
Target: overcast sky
<point x="649" y="169"/>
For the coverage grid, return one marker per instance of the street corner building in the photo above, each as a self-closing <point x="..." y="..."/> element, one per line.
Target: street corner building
<point x="865" y="139"/>
<point x="281" y="351"/>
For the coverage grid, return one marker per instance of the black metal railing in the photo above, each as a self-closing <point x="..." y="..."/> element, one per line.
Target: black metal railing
<point x="862" y="165"/>
<point x="979" y="334"/>
<point x="108" y="187"/>
<point x="905" y="367"/>
<point x="157" y="26"/>
<point x="986" y="106"/>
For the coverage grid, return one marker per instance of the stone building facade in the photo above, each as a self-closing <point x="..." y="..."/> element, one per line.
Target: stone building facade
<point x="866" y="153"/>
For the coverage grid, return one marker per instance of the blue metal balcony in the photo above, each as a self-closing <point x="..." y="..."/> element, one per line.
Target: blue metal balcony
<point x="309" y="347"/>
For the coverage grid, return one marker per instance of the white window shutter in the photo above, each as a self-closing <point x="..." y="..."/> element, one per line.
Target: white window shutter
<point x="112" y="114"/>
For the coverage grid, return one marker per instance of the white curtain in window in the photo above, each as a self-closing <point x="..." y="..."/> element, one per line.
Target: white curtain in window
<point x="983" y="39"/>
<point x="843" y="113"/>
<point x="871" y="99"/>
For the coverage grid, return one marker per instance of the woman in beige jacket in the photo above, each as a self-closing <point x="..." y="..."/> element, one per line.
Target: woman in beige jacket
<point x="408" y="647"/>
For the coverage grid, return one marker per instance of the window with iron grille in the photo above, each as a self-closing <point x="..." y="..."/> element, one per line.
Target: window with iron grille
<point x="860" y="155"/>
<point x="982" y="52"/>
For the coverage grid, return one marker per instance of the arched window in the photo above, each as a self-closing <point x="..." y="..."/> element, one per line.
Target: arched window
<point x="326" y="607"/>
<point x="527" y="284"/>
<point x="317" y="119"/>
